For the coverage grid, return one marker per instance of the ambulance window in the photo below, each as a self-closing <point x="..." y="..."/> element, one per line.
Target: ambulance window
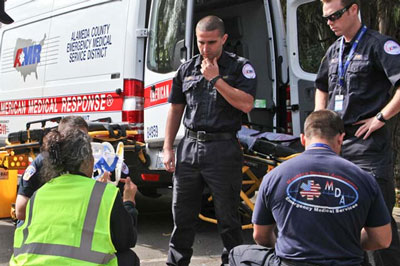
<point x="167" y="32"/>
<point x="314" y="36"/>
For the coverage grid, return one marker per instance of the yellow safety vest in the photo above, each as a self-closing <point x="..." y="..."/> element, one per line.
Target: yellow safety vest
<point x="67" y="223"/>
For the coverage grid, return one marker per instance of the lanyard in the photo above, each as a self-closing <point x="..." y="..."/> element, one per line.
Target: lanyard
<point x="319" y="145"/>
<point x="342" y="69"/>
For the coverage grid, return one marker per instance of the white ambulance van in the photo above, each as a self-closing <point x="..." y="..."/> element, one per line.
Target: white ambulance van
<point x="117" y="58"/>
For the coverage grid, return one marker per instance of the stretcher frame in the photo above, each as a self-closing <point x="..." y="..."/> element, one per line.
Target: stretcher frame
<point x="29" y="146"/>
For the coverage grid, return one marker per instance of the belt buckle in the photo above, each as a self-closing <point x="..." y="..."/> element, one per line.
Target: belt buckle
<point x="201" y="135"/>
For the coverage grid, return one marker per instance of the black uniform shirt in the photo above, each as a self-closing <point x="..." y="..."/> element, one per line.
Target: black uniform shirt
<point x="123" y="224"/>
<point x="373" y="70"/>
<point x="206" y="109"/>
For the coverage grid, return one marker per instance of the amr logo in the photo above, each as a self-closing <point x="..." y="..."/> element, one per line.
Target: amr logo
<point x="27" y="56"/>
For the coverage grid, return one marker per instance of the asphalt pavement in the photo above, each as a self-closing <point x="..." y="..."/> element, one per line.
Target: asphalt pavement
<point x="155" y="226"/>
<point x="6" y="240"/>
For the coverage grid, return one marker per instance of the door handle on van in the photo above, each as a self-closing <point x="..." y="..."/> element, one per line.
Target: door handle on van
<point x="293" y="107"/>
<point x="142" y="33"/>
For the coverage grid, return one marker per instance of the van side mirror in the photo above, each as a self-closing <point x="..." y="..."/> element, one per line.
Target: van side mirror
<point x="180" y="53"/>
<point x="4" y="17"/>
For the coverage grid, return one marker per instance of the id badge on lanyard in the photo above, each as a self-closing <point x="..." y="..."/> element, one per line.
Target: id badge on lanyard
<point x="342" y="68"/>
<point x="339" y="99"/>
<point x="339" y="102"/>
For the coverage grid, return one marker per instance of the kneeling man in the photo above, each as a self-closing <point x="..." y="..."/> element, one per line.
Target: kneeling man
<point x="326" y="209"/>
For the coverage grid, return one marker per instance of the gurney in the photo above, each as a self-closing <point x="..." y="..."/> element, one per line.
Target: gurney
<point x="26" y="143"/>
<point x="262" y="151"/>
<point x="110" y="142"/>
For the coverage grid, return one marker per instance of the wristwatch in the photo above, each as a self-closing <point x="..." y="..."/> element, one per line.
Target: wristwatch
<point x="380" y="117"/>
<point x="214" y="80"/>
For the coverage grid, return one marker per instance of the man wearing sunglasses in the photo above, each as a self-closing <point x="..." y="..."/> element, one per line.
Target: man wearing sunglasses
<point x="354" y="79"/>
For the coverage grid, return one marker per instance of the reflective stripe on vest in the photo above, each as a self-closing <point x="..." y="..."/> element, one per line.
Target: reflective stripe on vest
<point x="84" y="252"/>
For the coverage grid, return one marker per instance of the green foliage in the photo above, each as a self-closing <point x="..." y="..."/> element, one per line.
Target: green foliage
<point x="315" y="37"/>
<point x="382" y="15"/>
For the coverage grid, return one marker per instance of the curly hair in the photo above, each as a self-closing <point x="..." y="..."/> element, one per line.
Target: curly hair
<point x="64" y="153"/>
<point x="72" y="122"/>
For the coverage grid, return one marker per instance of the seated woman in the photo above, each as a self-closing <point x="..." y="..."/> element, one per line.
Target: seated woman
<point x="73" y="219"/>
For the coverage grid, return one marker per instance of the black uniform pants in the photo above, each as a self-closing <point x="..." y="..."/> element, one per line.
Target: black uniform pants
<point x="217" y="164"/>
<point x="374" y="155"/>
<point x="255" y="255"/>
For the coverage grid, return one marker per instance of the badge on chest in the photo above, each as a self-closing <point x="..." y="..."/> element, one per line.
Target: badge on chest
<point x="339" y="102"/>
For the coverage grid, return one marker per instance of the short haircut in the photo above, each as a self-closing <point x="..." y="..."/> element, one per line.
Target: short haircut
<point x="211" y="23"/>
<point x="344" y="2"/>
<point x="325" y="124"/>
<point x="72" y="122"/>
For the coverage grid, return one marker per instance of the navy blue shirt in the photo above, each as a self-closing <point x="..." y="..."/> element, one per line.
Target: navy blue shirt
<point x="30" y="181"/>
<point x="373" y="70"/>
<point x="206" y="109"/>
<point x="320" y="202"/>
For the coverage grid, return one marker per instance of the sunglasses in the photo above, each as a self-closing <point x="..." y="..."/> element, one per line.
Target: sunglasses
<point x="338" y="14"/>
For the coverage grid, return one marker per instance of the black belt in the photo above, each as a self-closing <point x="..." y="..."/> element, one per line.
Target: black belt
<point x="286" y="262"/>
<point x="350" y="130"/>
<point x="204" y="136"/>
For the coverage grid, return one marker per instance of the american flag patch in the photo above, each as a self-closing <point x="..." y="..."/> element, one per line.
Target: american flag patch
<point x="310" y="190"/>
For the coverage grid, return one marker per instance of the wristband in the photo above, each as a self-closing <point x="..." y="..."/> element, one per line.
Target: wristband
<point x="214" y="80"/>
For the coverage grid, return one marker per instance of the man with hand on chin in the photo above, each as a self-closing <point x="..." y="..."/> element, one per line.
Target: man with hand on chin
<point x="216" y="88"/>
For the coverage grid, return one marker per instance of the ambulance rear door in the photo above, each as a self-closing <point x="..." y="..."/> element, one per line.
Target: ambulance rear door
<point x="308" y="39"/>
<point x="167" y="48"/>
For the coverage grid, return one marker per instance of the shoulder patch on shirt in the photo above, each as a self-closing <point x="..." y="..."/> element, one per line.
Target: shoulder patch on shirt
<point x="125" y="169"/>
<point x="248" y="71"/>
<point x="391" y="47"/>
<point x="29" y="172"/>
